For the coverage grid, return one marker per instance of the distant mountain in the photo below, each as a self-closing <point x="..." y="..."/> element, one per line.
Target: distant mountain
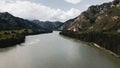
<point x="48" y="24"/>
<point x="8" y="21"/>
<point x="105" y="18"/>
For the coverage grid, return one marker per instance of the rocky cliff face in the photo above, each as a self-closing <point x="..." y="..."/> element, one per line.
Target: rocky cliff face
<point x="105" y="17"/>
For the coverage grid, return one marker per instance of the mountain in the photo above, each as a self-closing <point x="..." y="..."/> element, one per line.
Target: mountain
<point x="99" y="25"/>
<point x="67" y="24"/>
<point x="48" y="24"/>
<point x="14" y="29"/>
<point x="8" y="21"/>
<point x="100" y="18"/>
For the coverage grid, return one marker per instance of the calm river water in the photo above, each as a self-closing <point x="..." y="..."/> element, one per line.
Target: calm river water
<point x="55" y="51"/>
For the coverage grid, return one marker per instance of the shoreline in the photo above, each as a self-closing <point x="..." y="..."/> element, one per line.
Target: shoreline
<point x="105" y="50"/>
<point x="17" y="38"/>
<point x="99" y="40"/>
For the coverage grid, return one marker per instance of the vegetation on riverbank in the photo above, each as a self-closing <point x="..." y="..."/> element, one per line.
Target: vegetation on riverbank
<point x="13" y="37"/>
<point x="99" y="24"/>
<point x="108" y="40"/>
<point x="14" y="29"/>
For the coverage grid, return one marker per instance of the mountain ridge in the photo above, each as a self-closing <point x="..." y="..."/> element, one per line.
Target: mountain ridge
<point x="48" y="24"/>
<point x="104" y="16"/>
<point x="9" y="22"/>
<point x="99" y="24"/>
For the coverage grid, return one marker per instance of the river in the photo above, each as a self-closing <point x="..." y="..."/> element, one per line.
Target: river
<point x="55" y="51"/>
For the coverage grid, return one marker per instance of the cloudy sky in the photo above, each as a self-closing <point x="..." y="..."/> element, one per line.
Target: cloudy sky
<point x="52" y="10"/>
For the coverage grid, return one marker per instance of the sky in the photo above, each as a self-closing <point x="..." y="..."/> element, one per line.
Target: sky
<point x="47" y="10"/>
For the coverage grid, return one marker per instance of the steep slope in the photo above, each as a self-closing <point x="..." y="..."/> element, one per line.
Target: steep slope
<point x="105" y="17"/>
<point x="48" y="24"/>
<point x="100" y="25"/>
<point x="67" y="24"/>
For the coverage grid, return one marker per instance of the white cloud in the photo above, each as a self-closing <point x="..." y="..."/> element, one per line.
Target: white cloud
<point x="30" y="10"/>
<point x="73" y="1"/>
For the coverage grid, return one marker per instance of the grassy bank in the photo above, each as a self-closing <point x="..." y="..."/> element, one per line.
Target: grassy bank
<point x="109" y="41"/>
<point x="13" y="37"/>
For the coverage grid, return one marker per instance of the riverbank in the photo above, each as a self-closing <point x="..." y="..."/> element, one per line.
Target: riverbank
<point x="52" y="51"/>
<point x="108" y="51"/>
<point x="12" y="37"/>
<point x="108" y="41"/>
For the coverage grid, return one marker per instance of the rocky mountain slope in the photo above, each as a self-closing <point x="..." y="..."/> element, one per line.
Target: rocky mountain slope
<point x="104" y="17"/>
<point x="100" y="24"/>
<point x="67" y="24"/>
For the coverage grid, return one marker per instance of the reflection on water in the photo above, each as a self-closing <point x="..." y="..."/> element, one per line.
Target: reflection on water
<point x="6" y="49"/>
<point x="54" y="51"/>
